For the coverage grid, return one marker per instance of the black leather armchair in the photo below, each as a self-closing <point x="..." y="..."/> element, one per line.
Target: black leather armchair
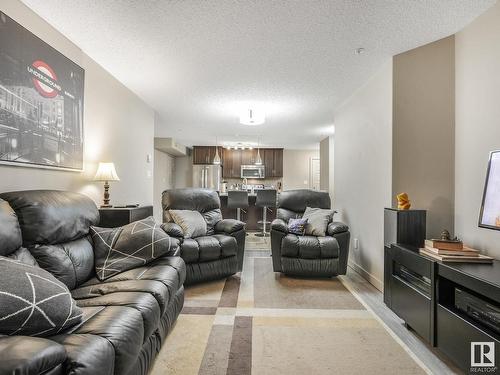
<point x="218" y="254"/>
<point x="307" y="255"/>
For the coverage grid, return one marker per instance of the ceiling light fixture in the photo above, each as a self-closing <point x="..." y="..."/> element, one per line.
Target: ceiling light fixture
<point x="252" y="116"/>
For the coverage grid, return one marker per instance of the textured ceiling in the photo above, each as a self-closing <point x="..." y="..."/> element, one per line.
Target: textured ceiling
<point x="197" y="62"/>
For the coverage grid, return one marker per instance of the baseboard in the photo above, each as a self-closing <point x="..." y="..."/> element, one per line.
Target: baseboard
<point x="367" y="276"/>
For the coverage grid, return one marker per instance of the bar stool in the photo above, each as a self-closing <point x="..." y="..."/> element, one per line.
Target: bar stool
<point x="265" y="199"/>
<point x="237" y="199"/>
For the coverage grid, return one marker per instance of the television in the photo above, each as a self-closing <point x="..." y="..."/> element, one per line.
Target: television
<point x="490" y="207"/>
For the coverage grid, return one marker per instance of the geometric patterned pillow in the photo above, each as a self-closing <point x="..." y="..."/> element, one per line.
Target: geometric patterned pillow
<point x="120" y="249"/>
<point x="33" y="302"/>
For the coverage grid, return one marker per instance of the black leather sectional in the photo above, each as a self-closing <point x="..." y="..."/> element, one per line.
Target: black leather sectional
<point x="308" y="256"/>
<point x="126" y="318"/>
<point x="218" y="254"/>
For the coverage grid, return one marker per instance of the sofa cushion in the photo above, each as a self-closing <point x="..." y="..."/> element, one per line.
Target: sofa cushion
<point x="33" y="302"/>
<point x="29" y="355"/>
<point x="123" y="328"/>
<point x="309" y="247"/>
<point x="317" y="220"/>
<point x="87" y="354"/>
<point x="156" y="288"/>
<point x="23" y="255"/>
<point x="70" y="262"/>
<point x="192" y="222"/>
<point x="208" y="248"/>
<point x="135" y="244"/>
<point x="10" y="232"/>
<point x="145" y="303"/>
<point x="50" y="216"/>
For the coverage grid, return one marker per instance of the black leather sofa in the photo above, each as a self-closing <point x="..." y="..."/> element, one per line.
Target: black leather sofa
<point x="308" y="256"/>
<point x="218" y="254"/>
<point x="126" y="318"/>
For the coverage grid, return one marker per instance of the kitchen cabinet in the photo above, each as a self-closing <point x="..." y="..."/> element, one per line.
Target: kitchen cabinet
<point x="278" y="162"/>
<point x="232" y="160"/>
<point x="232" y="163"/>
<point x="273" y="161"/>
<point x="205" y="154"/>
<point x="248" y="157"/>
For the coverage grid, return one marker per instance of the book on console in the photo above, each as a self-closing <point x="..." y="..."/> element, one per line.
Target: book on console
<point x="457" y="258"/>
<point x="465" y="251"/>
<point x="444" y="244"/>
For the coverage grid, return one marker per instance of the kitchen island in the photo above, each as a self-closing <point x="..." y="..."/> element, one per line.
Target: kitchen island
<point x="252" y="215"/>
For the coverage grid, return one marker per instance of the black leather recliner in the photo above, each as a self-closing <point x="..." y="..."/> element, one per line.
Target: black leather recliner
<point x="126" y="318"/>
<point x="218" y="254"/>
<point x="308" y="256"/>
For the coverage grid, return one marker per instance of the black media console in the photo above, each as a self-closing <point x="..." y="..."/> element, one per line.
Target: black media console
<point x="449" y="305"/>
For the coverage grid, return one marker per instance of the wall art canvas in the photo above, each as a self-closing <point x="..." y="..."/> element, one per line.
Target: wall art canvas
<point x="41" y="102"/>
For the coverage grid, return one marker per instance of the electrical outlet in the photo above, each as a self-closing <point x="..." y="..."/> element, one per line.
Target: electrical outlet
<point x="149" y="158"/>
<point x="356" y="244"/>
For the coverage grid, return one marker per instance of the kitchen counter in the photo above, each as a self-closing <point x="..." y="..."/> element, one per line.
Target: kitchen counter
<point x="252" y="215"/>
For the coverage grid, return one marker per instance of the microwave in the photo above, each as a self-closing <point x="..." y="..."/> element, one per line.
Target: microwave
<point x="253" y="171"/>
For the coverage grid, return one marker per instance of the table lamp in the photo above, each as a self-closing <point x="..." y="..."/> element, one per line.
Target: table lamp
<point x="106" y="172"/>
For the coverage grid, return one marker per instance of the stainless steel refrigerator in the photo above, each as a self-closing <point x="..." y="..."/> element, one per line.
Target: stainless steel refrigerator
<point x="207" y="176"/>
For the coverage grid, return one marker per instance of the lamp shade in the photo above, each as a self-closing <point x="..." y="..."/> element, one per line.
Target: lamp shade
<point x="106" y="172"/>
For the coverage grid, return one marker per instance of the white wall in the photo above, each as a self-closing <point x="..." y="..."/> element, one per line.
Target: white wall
<point x="119" y="127"/>
<point x="296" y="168"/>
<point x="163" y="180"/>
<point x="363" y="170"/>
<point x="477" y="68"/>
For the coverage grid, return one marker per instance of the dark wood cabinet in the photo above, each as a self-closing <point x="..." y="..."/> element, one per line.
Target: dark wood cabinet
<point x="232" y="160"/>
<point x="205" y="154"/>
<point x="278" y="163"/>
<point x="231" y="167"/>
<point x="248" y="157"/>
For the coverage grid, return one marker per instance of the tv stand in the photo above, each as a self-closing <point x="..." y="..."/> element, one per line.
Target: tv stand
<point x="449" y="305"/>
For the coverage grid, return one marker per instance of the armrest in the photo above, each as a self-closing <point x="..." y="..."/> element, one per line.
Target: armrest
<point x="229" y="226"/>
<point x="29" y="355"/>
<point x="173" y="230"/>
<point x="279" y="225"/>
<point x="336" y="227"/>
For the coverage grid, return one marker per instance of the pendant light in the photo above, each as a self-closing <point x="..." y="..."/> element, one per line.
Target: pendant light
<point x="216" y="160"/>
<point x="258" y="159"/>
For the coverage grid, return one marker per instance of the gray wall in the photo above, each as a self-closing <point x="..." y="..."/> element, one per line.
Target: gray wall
<point x="119" y="127"/>
<point x="324" y="156"/>
<point x="296" y="168"/>
<point x="163" y="180"/>
<point x="477" y="52"/>
<point x="424" y="131"/>
<point x="183" y="170"/>
<point x="362" y="168"/>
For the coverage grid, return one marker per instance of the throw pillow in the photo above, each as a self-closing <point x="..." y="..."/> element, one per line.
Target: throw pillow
<point x="192" y="222"/>
<point x="33" y="302"/>
<point x="317" y="221"/>
<point x="297" y="226"/>
<point x="133" y="245"/>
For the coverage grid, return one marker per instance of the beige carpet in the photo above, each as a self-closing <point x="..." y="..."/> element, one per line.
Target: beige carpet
<point x="260" y="322"/>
